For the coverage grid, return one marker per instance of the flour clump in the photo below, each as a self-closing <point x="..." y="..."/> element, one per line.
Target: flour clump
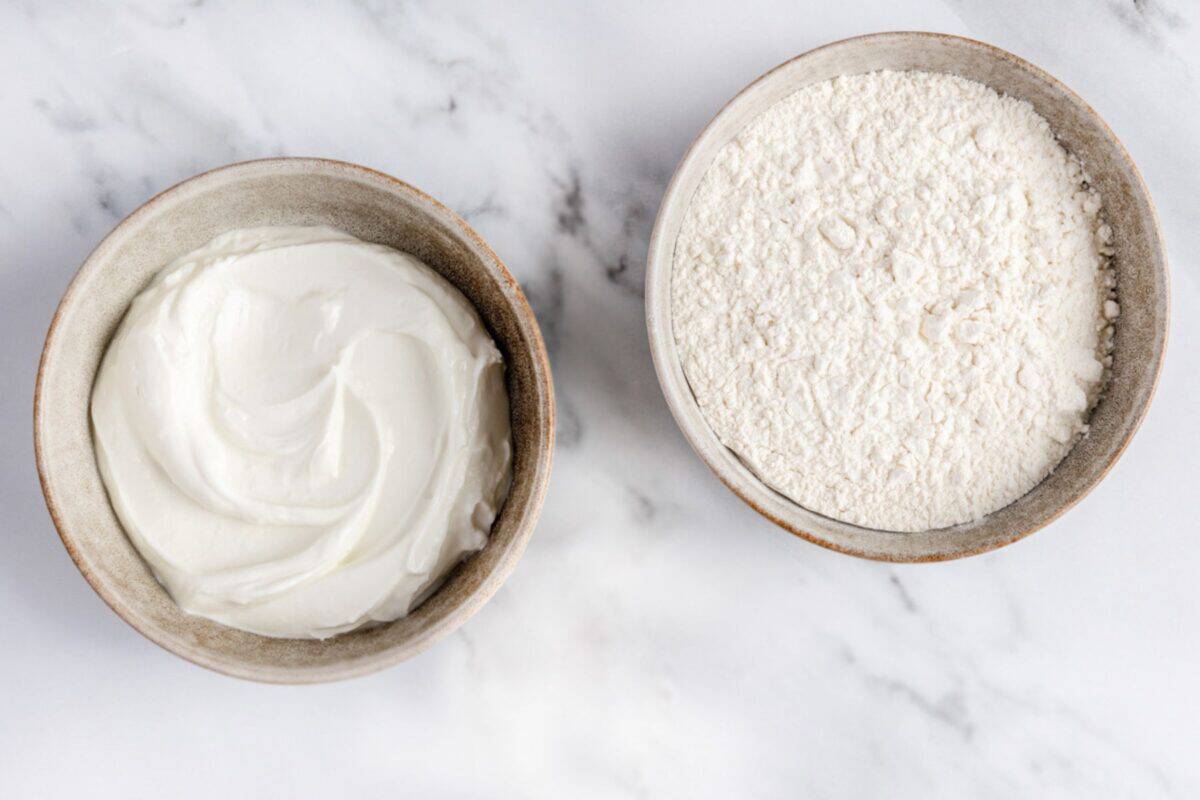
<point x="892" y="299"/>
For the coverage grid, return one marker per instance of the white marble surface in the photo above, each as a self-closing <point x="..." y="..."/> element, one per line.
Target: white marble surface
<point x="658" y="639"/>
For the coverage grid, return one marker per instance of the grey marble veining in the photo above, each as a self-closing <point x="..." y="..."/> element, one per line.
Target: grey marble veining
<point x="658" y="639"/>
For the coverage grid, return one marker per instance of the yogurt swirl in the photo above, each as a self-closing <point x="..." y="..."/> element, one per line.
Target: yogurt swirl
<point x="302" y="432"/>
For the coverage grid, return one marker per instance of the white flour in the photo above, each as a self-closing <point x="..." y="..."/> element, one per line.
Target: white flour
<point x="892" y="300"/>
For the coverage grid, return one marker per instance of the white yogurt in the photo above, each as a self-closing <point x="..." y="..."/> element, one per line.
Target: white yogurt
<point x="302" y="432"/>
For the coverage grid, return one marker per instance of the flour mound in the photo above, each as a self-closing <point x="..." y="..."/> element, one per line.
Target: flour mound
<point x="892" y="299"/>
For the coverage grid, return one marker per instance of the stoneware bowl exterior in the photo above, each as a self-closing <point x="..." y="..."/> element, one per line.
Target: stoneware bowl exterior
<point x="1140" y="263"/>
<point x="286" y="191"/>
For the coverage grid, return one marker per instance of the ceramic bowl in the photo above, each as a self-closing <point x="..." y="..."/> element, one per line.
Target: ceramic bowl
<point x="1140" y="264"/>
<point x="285" y="191"/>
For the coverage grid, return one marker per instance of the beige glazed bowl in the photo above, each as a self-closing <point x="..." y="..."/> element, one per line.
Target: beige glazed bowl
<point x="284" y="191"/>
<point x="1140" y="263"/>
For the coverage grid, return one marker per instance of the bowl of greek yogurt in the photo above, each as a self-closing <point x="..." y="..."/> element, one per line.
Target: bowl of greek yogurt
<point x="294" y="420"/>
<point x="907" y="297"/>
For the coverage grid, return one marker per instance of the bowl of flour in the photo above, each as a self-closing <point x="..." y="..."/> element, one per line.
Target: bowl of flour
<point x="907" y="297"/>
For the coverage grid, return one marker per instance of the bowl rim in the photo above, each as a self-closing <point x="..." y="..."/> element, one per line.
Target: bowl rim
<point x="472" y="602"/>
<point x="664" y="353"/>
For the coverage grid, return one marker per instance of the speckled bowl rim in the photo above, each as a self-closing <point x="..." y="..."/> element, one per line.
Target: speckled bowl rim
<point x="400" y="651"/>
<point x="666" y="360"/>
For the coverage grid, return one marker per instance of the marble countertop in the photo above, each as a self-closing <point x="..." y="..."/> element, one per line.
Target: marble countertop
<point x="658" y="639"/>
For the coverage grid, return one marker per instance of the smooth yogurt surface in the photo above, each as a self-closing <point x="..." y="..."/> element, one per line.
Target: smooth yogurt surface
<point x="302" y="432"/>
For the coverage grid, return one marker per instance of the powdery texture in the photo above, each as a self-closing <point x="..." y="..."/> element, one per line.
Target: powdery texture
<point x="892" y="299"/>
